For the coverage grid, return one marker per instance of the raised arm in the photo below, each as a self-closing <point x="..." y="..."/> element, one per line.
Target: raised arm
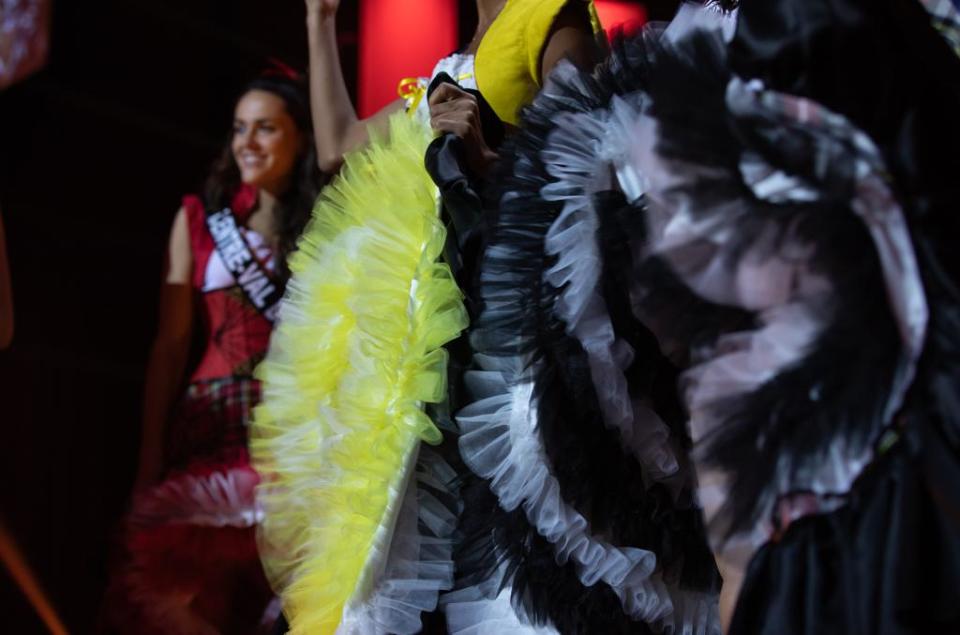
<point x="337" y="129"/>
<point x="168" y="355"/>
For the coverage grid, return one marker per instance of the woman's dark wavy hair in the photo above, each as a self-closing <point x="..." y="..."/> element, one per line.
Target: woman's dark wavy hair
<point x="306" y="180"/>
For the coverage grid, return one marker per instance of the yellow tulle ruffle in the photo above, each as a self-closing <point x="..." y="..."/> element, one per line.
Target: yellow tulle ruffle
<point x="357" y="353"/>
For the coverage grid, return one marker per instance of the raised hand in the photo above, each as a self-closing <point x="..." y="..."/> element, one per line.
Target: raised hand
<point x="323" y="8"/>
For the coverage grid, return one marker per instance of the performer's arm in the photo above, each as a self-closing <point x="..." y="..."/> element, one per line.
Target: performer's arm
<point x="337" y="129"/>
<point x="6" y="294"/>
<point x="168" y="355"/>
<point x="570" y="38"/>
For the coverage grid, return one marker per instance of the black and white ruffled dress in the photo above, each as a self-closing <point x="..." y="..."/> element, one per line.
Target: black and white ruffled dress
<point x="769" y="212"/>
<point x="580" y="516"/>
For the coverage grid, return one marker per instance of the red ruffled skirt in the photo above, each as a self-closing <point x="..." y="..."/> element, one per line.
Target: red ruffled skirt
<point x="187" y="562"/>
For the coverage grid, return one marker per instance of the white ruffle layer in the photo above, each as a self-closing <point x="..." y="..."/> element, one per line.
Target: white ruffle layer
<point x="777" y="283"/>
<point x="487" y="610"/>
<point x="499" y="442"/>
<point x="583" y="154"/>
<point x="416" y="563"/>
<point x="221" y="498"/>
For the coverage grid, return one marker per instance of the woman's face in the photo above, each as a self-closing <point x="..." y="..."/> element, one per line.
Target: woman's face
<point x="266" y="141"/>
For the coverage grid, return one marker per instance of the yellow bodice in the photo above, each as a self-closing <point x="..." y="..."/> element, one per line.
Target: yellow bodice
<point x="508" y="59"/>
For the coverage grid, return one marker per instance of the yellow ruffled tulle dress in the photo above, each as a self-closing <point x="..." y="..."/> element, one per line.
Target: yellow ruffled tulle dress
<point x="358" y="513"/>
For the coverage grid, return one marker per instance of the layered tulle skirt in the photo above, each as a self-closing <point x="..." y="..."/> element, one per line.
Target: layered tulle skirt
<point x="187" y="558"/>
<point x="359" y="510"/>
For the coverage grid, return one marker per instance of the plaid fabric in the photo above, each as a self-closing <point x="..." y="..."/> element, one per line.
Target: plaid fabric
<point x="945" y="16"/>
<point x="187" y="558"/>
<point x="210" y="425"/>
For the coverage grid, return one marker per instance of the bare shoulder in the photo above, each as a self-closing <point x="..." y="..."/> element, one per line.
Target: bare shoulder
<point x="571" y="37"/>
<point x="179" y="255"/>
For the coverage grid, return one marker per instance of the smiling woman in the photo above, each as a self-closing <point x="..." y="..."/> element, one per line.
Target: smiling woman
<point x="266" y="141"/>
<point x="188" y="560"/>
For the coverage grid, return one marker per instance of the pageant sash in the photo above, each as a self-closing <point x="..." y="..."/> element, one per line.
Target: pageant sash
<point x="257" y="284"/>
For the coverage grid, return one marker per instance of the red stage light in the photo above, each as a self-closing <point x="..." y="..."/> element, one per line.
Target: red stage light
<point x="614" y="14"/>
<point x="399" y="39"/>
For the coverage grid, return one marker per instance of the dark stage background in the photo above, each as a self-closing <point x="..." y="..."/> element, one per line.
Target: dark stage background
<point x="95" y="153"/>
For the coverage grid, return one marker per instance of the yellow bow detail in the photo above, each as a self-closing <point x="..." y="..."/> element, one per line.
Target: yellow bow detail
<point x="412" y="89"/>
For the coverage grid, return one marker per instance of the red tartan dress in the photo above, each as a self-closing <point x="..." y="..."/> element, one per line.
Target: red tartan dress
<point x="190" y="561"/>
